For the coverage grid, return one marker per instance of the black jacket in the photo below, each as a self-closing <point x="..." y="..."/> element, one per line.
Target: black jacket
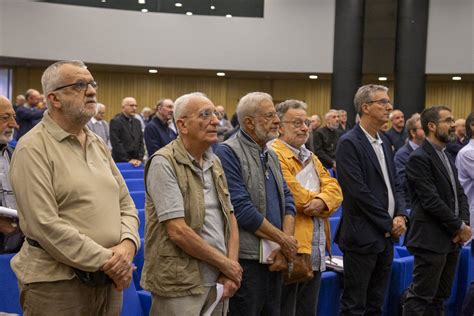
<point x="126" y="137"/>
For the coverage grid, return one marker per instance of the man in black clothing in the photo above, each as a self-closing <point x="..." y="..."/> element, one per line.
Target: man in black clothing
<point x="325" y="140"/>
<point x="397" y="134"/>
<point x="126" y="135"/>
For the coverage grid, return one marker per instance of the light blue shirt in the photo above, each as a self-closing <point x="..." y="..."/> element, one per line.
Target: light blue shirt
<point x="465" y="165"/>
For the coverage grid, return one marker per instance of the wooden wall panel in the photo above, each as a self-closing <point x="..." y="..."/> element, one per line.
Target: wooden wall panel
<point x="456" y="95"/>
<point x="148" y="88"/>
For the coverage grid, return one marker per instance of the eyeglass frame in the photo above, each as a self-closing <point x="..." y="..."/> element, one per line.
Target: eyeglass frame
<point x="385" y="102"/>
<point x="92" y="83"/>
<point x="203" y="115"/>
<point x="299" y="123"/>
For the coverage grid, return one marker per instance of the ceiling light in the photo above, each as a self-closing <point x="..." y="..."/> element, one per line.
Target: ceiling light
<point x="178" y="4"/>
<point x="189" y="13"/>
<point x="228" y="16"/>
<point x="144" y="10"/>
<point x="457" y="78"/>
<point x="103" y="0"/>
<point x="382" y="78"/>
<point x="220" y="74"/>
<point x="141" y="1"/>
<point x="153" y="71"/>
<point x="313" y="77"/>
<point x="213" y="7"/>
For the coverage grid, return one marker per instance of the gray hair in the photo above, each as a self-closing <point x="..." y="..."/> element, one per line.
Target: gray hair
<point x="390" y="117"/>
<point x="331" y="111"/>
<point x="181" y="103"/>
<point x="411" y="125"/>
<point x="284" y="106"/>
<point x="249" y="104"/>
<point x="342" y="111"/>
<point x="51" y="80"/>
<point x="364" y="95"/>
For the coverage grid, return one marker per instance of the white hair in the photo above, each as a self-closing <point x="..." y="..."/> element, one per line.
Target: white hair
<point x="180" y="105"/>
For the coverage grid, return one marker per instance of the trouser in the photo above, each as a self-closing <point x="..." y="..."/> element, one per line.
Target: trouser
<point x="259" y="292"/>
<point x="433" y="277"/>
<point x="366" y="278"/>
<point x="188" y="305"/>
<point x="301" y="299"/>
<point x="69" y="298"/>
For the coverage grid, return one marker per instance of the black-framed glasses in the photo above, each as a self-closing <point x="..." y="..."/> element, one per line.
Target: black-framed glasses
<point x="448" y="120"/>
<point x="383" y="102"/>
<point x="79" y="85"/>
<point x="298" y="123"/>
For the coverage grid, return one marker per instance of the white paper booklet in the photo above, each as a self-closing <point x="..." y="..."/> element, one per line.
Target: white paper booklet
<point x="266" y="249"/>
<point x="8" y="212"/>
<point x="308" y="178"/>
<point x="219" y="292"/>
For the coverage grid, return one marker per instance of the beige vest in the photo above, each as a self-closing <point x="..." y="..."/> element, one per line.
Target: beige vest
<point x="168" y="270"/>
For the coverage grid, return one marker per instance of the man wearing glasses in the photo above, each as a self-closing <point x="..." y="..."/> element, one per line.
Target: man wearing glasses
<point x="374" y="214"/>
<point x="79" y="220"/>
<point x="191" y="237"/>
<point x="263" y="205"/>
<point x="439" y="219"/>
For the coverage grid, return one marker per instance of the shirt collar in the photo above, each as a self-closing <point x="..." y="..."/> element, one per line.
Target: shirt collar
<point x="207" y="159"/>
<point x="93" y="120"/>
<point x="302" y="154"/>
<point x="57" y="132"/>
<point x="436" y="146"/>
<point x="247" y="136"/>
<point x="371" y="138"/>
<point x="413" y="145"/>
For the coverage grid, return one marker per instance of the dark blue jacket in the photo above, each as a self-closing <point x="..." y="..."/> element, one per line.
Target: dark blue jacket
<point x="157" y="135"/>
<point x="27" y="118"/>
<point x="401" y="158"/>
<point x="365" y="219"/>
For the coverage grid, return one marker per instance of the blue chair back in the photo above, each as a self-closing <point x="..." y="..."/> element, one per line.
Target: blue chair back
<point x="135" y="184"/>
<point x="9" y="293"/>
<point x="138" y="198"/>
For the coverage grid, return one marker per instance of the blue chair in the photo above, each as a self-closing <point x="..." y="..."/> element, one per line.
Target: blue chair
<point x="400" y="279"/>
<point x="141" y="217"/>
<point x="135" y="184"/>
<point x="9" y="293"/>
<point x="145" y="300"/>
<point x="131" y="302"/>
<point x="127" y="166"/>
<point x="138" y="261"/>
<point x="334" y="222"/>
<point x="133" y="174"/>
<point x="329" y="294"/>
<point x="338" y="212"/>
<point x="138" y="198"/>
<point x="461" y="283"/>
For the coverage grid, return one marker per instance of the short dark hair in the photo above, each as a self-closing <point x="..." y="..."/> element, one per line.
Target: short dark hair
<point x="431" y="115"/>
<point x="469" y="121"/>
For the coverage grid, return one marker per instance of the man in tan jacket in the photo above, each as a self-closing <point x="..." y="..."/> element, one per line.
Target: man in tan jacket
<point x="79" y="220"/>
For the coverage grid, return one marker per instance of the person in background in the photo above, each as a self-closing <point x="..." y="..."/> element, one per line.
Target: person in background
<point x="224" y="124"/>
<point x="126" y="135"/>
<point x="314" y="125"/>
<point x="343" y="125"/>
<point x="315" y="201"/>
<point x="80" y="223"/>
<point x="439" y="218"/>
<point x="397" y="134"/>
<point x="416" y="136"/>
<point x="158" y="132"/>
<point x="459" y="139"/>
<point x="99" y="125"/>
<point x="325" y="140"/>
<point x="29" y="114"/>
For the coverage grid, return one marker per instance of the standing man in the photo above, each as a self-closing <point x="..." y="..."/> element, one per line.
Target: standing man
<point x="465" y="165"/>
<point x="325" y="140"/>
<point x="158" y="132"/>
<point x="98" y="125"/>
<point x="314" y="125"/>
<point x="19" y="101"/>
<point x="459" y="139"/>
<point x="126" y="135"/>
<point x="79" y="220"/>
<point x="29" y="115"/>
<point x="439" y="216"/>
<point x="416" y="135"/>
<point x="224" y="124"/>
<point x="190" y="222"/>
<point x="374" y="214"/>
<point x="397" y="134"/>
<point x="263" y="205"/>
<point x="343" y="125"/>
<point x="11" y="237"/>
<point x="315" y="201"/>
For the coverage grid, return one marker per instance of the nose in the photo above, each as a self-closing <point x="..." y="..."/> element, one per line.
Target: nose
<point x="90" y="90"/>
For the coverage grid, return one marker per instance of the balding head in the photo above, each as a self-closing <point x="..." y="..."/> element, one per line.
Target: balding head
<point x="129" y="106"/>
<point x="398" y="120"/>
<point x="7" y="120"/>
<point x="460" y="128"/>
<point x="33" y="97"/>
<point x="20" y="100"/>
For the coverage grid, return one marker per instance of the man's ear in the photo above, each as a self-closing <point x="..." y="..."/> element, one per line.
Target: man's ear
<point x="181" y="126"/>
<point x="54" y="100"/>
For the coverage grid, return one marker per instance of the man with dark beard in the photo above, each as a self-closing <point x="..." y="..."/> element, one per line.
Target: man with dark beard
<point x="79" y="220"/>
<point x="439" y="217"/>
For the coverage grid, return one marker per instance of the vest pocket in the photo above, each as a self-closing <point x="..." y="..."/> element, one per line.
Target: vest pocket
<point x="178" y="273"/>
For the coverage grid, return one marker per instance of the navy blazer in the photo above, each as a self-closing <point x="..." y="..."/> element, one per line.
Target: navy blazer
<point x="400" y="159"/>
<point x="432" y="218"/>
<point x="365" y="220"/>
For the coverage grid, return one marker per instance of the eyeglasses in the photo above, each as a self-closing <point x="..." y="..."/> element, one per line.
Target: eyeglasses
<point x="270" y="115"/>
<point x="298" y="123"/>
<point x="384" y="102"/>
<point x="448" y="120"/>
<point x="7" y="118"/>
<point x="79" y="85"/>
<point x="205" y="115"/>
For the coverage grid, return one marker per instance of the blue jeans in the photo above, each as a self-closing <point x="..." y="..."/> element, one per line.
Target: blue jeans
<point x="259" y="292"/>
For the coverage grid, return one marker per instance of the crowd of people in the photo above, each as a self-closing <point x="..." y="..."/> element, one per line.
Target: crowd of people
<point x="244" y="206"/>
